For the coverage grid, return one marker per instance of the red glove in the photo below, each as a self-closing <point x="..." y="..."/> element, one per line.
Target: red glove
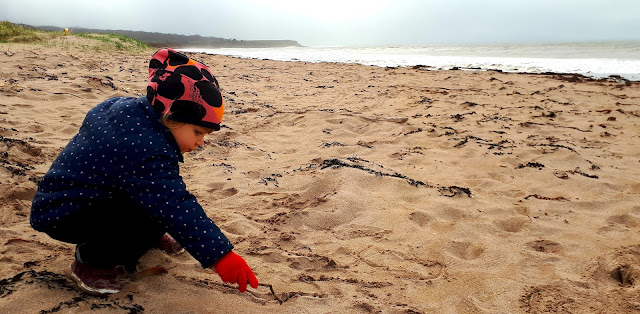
<point x="233" y="269"/>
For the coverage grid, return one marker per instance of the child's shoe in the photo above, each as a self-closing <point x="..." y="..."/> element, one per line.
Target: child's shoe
<point x="169" y="245"/>
<point x="93" y="280"/>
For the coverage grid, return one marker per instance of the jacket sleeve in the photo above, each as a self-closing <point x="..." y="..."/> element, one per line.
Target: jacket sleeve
<point x="155" y="184"/>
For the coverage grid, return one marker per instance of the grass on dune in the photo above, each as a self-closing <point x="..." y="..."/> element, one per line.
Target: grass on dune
<point x="19" y="34"/>
<point x="10" y="32"/>
<point x="121" y="42"/>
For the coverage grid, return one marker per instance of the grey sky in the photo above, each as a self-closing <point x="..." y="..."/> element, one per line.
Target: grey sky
<point x="348" y="22"/>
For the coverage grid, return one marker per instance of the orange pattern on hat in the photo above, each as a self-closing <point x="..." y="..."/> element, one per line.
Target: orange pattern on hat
<point x="184" y="89"/>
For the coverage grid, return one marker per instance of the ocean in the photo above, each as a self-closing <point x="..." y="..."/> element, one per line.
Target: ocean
<point x="592" y="59"/>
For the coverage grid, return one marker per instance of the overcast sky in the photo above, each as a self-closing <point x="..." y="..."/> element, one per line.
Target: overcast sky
<point x="347" y="22"/>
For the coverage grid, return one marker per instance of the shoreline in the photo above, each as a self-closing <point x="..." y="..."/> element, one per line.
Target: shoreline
<point x="581" y="76"/>
<point x="517" y="59"/>
<point x="573" y="76"/>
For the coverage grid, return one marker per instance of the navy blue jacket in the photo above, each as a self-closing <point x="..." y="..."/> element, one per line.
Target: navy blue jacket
<point x="122" y="149"/>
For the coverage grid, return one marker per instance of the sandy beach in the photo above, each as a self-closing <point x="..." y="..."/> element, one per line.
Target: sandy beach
<point x="352" y="188"/>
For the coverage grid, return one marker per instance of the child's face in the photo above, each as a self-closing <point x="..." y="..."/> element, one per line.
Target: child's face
<point x="190" y="136"/>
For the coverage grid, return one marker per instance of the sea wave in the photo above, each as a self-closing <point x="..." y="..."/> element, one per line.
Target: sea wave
<point x="596" y="60"/>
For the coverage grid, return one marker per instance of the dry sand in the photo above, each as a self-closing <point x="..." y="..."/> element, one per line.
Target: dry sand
<point x="353" y="188"/>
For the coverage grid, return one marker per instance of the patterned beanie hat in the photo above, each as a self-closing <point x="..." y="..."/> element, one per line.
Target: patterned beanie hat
<point x="184" y="89"/>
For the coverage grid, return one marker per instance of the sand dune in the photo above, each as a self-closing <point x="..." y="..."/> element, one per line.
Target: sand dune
<point x="352" y="188"/>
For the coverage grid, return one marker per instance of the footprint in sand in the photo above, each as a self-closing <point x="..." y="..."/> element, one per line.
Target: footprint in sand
<point x="627" y="220"/>
<point x="452" y="214"/>
<point x="34" y="128"/>
<point x="619" y="268"/>
<point x="18" y="147"/>
<point x="626" y="275"/>
<point x="24" y="191"/>
<point x="218" y="191"/>
<point x="465" y="250"/>
<point x="545" y="246"/>
<point x="513" y="224"/>
<point x="420" y="218"/>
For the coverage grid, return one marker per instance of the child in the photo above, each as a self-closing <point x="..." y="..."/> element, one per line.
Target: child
<point x="115" y="189"/>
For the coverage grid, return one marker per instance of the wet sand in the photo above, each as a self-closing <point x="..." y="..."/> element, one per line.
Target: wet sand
<point x="353" y="188"/>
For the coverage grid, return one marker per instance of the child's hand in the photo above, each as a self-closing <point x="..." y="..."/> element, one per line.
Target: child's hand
<point x="233" y="269"/>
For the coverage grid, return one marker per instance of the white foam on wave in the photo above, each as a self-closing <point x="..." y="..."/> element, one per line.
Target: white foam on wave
<point x="528" y="60"/>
